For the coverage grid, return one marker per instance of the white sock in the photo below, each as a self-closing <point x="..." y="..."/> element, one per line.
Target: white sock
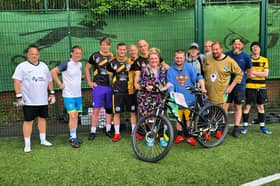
<point x="93" y="130"/>
<point x="27" y="142"/>
<point x="117" y="129"/>
<point x="261" y="124"/>
<point x="132" y="127"/>
<point x="43" y="137"/>
<point x="245" y="124"/>
<point x="108" y="127"/>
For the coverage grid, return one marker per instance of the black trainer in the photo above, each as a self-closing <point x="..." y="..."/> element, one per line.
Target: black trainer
<point x="78" y="140"/>
<point x="75" y="143"/>
<point x="109" y="134"/>
<point x="235" y="132"/>
<point x="91" y="136"/>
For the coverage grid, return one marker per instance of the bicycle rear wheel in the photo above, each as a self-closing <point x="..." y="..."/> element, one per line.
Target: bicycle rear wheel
<point x="211" y="125"/>
<point x="153" y="129"/>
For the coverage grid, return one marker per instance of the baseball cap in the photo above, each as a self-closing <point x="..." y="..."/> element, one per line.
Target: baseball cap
<point x="194" y="46"/>
<point x="254" y="43"/>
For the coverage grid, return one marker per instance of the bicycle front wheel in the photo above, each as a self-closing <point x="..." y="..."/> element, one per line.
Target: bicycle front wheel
<point x="152" y="138"/>
<point x="211" y="125"/>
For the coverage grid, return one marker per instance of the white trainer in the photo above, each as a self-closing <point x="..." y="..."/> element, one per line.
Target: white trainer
<point x="46" y="143"/>
<point x="27" y="149"/>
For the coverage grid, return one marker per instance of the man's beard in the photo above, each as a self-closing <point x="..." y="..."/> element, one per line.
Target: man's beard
<point x="236" y="51"/>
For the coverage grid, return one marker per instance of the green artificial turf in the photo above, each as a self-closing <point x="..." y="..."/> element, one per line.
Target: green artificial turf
<point x="103" y="162"/>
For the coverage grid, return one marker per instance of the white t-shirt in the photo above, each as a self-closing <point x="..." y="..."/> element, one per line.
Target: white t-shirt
<point x="72" y="78"/>
<point x="34" y="82"/>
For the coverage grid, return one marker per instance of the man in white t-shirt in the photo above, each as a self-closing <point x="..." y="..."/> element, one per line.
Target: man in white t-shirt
<point x="32" y="80"/>
<point x="71" y="90"/>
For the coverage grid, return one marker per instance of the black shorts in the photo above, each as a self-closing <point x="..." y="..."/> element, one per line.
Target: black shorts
<point x="31" y="112"/>
<point x="256" y="96"/>
<point x="120" y="101"/>
<point x="236" y="96"/>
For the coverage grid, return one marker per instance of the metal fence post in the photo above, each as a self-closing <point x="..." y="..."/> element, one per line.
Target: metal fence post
<point x="46" y="4"/>
<point x="263" y="26"/>
<point x="69" y="24"/>
<point x="199" y="24"/>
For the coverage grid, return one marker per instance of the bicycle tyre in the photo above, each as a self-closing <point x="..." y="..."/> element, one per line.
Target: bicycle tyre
<point x="151" y="127"/>
<point x="211" y="120"/>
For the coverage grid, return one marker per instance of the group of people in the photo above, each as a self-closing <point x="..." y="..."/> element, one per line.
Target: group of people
<point x="126" y="83"/>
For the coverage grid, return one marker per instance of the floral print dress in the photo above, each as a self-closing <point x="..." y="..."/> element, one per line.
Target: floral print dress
<point x="148" y="101"/>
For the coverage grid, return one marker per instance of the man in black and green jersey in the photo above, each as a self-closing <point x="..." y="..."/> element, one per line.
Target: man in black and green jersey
<point x="256" y="89"/>
<point x="123" y="89"/>
<point x="99" y="62"/>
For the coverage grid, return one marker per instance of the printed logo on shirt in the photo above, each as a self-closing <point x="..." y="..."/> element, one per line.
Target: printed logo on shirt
<point x="226" y="68"/>
<point x="213" y="76"/>
<point x="36" y="79"/>
<point x="182" y="79"/>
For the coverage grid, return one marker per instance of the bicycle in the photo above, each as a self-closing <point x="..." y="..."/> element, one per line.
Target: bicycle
<point x="206" y="120"/>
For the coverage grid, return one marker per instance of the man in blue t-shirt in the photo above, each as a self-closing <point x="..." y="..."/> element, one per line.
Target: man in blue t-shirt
<point x="179" y="76"/>
<point x="238" y="94"/>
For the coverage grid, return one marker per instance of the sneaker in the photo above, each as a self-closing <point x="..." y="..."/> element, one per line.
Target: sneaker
<point x="46" y="143"/>
<point x="79" y="141"/>
<point x="163" y="143"/>
<point x="235" y="132"/>
<point x="150" y="143"/>
<point x="191" y="141"/>
<point x="75" y="143"/>
<point x="179" y="139"/>
<point x="109" y="134"/>
<point x="27" y="149"/>
<point x="244" y="130"/>
<point x="91" y="136"/>
<point x="207" y="136"/>
<point x="265" y="130"/>
<point x="218" y="134"/>
<point x="138" y="136"/>
<point x="116" y="137"/>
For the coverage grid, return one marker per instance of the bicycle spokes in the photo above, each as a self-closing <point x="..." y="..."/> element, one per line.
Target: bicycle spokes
<point x="210" y="125"/>
<point x="158" y="136"/>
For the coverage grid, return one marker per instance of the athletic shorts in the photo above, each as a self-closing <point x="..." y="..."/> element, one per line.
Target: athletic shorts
<point x="184" y="112"/>
<point x="32" y="112"/>
<point x="236" y="96"/>
<point x="120" y="101"/>
<point x="102" y="97"/>
<point x="73" y="104"/>
<point x="256" y="96"/>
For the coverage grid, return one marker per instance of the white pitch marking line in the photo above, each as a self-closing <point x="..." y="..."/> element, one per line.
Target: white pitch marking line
<point x="263" y="180"/>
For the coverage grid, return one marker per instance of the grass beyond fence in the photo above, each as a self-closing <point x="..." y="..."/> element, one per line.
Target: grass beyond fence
<point x="103" y="162"/>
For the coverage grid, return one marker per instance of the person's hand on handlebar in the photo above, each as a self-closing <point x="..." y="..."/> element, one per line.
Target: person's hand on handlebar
<point x="149" y="88"/>
<point x="203" y="90"/>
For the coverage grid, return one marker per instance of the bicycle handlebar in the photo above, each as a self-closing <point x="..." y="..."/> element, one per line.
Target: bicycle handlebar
<point x="194" y="90"/>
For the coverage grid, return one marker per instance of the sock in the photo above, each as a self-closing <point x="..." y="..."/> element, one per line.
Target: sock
<point x="180" y="133"/>
<point x="43" y="137"/>
<point x="117" y="129"/>
<point x="261" y="119"/>
<point x="132" y="127"/>
<point x="27" y="142"/>
<point x="245" y="119"/>
<point x="73" y="133"/>
<point x="93" y="129"/>
<point x="236" y="126"/>
<point x="108" y="127"/>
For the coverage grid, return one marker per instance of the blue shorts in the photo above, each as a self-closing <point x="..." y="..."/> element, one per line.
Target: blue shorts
<point x="73" y="104"/>
<point x="102" y="97"/>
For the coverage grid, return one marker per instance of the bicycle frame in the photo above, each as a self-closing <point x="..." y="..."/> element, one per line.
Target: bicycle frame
<point x="164" y="106"/>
